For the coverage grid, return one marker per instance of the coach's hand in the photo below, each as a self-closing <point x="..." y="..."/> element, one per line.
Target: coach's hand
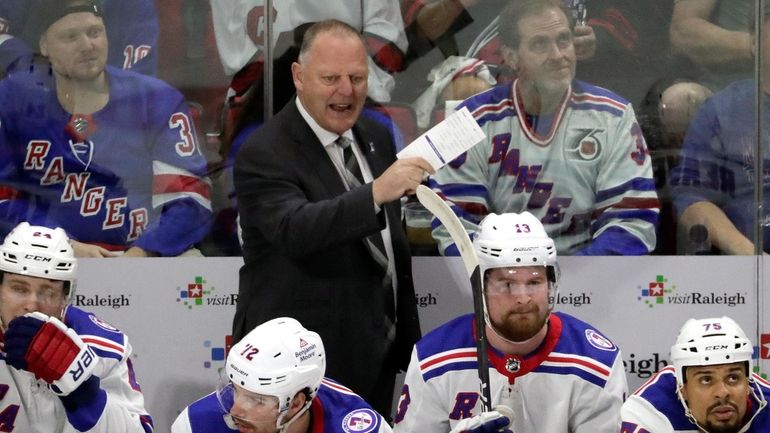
<point x="486" y="422"/>
<point x="401" y="178"/>
<point x="50" y="350"/>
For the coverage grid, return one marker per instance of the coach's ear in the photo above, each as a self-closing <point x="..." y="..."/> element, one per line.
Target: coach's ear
<point x="43" y="45"/>
<point x="296" y="75"/>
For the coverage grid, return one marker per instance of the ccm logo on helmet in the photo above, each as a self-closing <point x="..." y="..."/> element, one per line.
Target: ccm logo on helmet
<point x="719" y="347"/>
<point x="37" y="258"/>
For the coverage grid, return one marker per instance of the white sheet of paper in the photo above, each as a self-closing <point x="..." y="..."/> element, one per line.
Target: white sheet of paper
<point x="445" y="141"/>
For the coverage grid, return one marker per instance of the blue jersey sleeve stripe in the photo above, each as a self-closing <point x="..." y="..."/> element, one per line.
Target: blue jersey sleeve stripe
<point x="459" y="189"/>
<point x="573" y="371"/>
<point x="455" y="366"/>
<point x="608" y="216"/>
<point x="635" y="184"/>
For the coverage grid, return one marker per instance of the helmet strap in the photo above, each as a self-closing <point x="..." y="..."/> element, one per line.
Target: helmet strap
<point x="759" y="397"/>
<point x="282" y="427"/>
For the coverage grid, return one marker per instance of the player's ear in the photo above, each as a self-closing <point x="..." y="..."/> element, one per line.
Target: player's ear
<point x="297" y="403"/>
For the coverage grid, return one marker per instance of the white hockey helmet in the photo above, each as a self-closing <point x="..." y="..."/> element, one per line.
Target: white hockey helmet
<point x="513" y="240"/>
<point x="40" y="252"/>
<point x="279" y="358"/>
<point x="716" y="340"/>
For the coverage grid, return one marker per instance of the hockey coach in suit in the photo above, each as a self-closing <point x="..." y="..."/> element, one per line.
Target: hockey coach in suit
<point x="319" y="195"/>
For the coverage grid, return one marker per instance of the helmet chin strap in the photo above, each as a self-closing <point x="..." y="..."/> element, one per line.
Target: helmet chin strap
<point x="759" y="397"/>
<point x="282" y="427"/>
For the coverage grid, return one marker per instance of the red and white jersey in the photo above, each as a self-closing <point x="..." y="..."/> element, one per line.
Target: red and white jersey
<point x="239" y="28"/>
<point x="27" y="405"/>
<point x="583" y="171"/>
<point x="573" y="383"/>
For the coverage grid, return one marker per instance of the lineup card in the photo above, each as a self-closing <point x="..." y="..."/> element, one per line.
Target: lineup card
<point x="445" y="141"/>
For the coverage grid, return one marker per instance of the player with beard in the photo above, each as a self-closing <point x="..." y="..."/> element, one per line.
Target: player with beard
<point x="710" y="387"/>
<point x="549" y="372"/>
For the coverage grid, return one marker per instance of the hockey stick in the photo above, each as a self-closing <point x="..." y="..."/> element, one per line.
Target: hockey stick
<point x="441" y="210"/>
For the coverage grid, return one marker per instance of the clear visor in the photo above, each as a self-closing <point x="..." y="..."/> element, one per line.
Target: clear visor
<point x="245" y="408"/>
<point x="526" y="280"/>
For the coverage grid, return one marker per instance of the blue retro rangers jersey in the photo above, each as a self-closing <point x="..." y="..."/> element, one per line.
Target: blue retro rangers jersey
<point x="584" y="171"/>
<point x="28" y="405"/>
<point x="335" y="409"/>
<point x="129" y="174"/>
<point x="655" y="407"/>
<point x="574" y="382"/>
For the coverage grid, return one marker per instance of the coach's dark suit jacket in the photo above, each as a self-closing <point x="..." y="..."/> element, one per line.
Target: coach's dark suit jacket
<point x="304" y="254"/>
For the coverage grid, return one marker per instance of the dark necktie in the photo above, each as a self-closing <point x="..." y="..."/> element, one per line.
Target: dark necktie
<point x="374" y="243"/>
<point x="352" y="170"/>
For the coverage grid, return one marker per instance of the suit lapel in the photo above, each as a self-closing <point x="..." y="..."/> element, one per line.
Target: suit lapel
<point x="312" y="152"/>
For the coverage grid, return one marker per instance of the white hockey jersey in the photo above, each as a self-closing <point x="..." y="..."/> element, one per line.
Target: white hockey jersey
<point x="584" y="171"/>
<point x="27" y="405"/>
<point x="573" y="383"/>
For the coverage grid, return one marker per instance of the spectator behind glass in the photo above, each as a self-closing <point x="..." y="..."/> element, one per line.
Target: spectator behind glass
<point x="530" y="389"/>
<point x="322" y="240"/>
<point x="714" y="36"/>
<point x="714" y="184"/>
<point x="109" y="155"/>
<point x="132" y="30"/>
<point x="279" y="388"/>
<point x="569" y="152"/>
<point x="240" y="32"/>
<point x="620" y="45"/>
<point x="63" y="369"/>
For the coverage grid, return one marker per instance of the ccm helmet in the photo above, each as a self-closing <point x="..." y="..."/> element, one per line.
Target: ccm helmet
<point x="40" y="252"/>
<point x="711" y="341"/>
<point x="278" y="358"/>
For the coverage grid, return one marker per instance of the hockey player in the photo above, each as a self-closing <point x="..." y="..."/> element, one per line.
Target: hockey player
<point x="568" y="152"/>
<point x="275" y="383"/>
<point x="109" y="155"/>
<point x="554" y="372"/>
<point x="710" y="388"/>
<point x="61" y="369"/>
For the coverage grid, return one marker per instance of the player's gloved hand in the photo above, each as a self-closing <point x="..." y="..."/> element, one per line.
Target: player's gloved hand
<point x="50" y="350"/>
<point x="495" y="421"/>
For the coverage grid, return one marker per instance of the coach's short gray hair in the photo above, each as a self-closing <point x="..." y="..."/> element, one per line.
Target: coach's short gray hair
<point x="338" y="27"/>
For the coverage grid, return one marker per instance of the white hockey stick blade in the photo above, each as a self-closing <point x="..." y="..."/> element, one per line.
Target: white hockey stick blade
<point x="444" y="213"/>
